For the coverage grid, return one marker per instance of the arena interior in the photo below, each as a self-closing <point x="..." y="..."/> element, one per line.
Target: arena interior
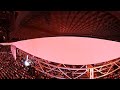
<point x="19" y="26"/>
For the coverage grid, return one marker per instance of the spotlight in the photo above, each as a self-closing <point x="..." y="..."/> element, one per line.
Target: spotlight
<point x="27" y="62"/>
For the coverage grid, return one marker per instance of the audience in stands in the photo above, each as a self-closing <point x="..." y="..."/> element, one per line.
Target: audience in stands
<point x="15" y="69"/>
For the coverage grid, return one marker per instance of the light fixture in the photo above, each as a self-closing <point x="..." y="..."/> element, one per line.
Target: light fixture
<point x="27" y="62"/>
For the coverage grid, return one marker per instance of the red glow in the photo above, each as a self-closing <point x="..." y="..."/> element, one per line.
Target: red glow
<point x="71" y="50"/>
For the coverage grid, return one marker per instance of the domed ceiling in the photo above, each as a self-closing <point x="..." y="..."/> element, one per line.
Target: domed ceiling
<point x="98" y="24"/>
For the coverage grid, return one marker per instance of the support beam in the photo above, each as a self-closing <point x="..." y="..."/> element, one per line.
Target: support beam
<point x="88" y="67"/>
<point x="91" y="73"/>
<point x="13" y="50"/>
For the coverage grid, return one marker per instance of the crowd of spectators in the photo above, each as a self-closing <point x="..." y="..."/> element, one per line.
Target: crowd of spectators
<point x="115" y="75"/>
<point x="15" y="69"/>
<point x="9" y="69"/>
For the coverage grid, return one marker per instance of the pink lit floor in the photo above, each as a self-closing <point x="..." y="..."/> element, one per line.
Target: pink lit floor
<point x="71" y="50"/>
